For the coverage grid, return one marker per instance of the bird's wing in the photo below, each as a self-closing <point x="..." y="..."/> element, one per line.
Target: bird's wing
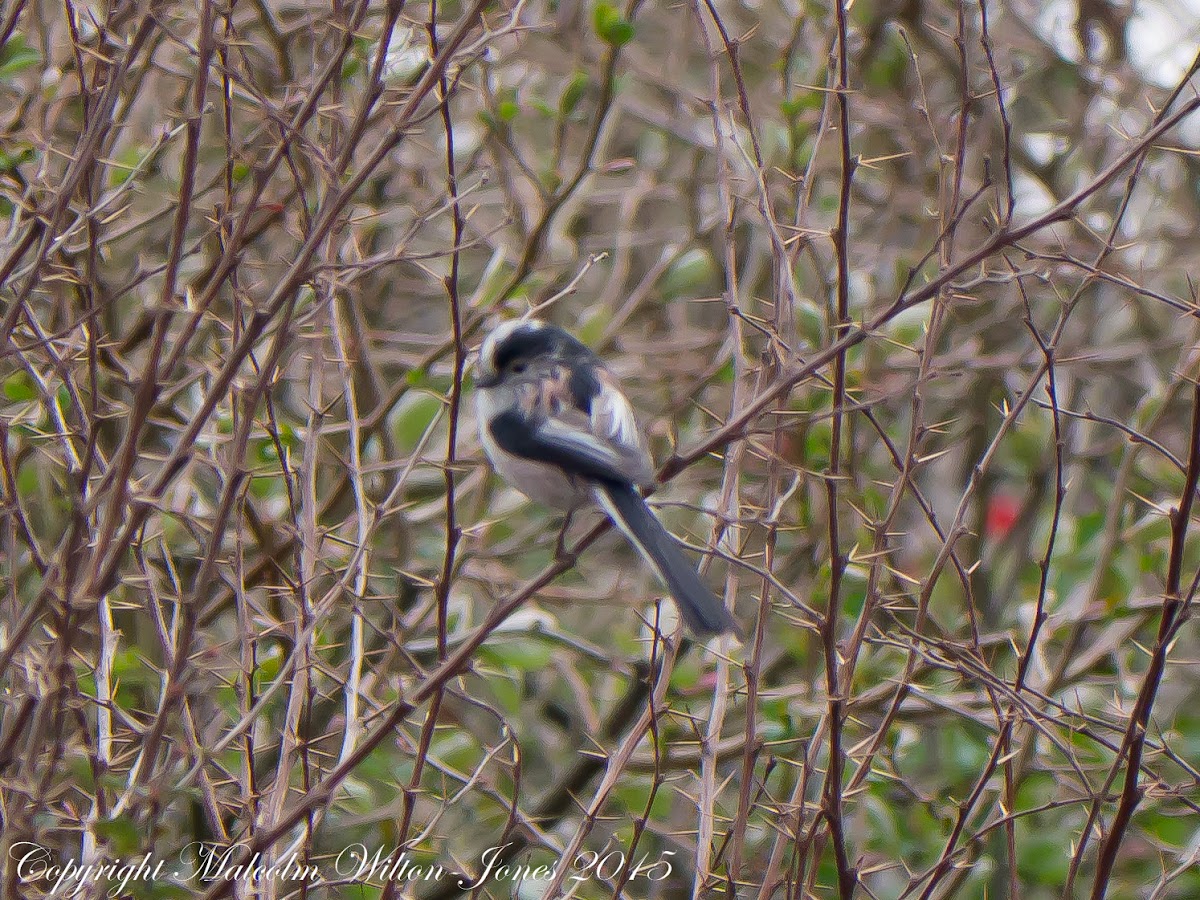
<point x="612" y="419"/>
<point x="547" y="424"/>
<point x="577" y="451"/>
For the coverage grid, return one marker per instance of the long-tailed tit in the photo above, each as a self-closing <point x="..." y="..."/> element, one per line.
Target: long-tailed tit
<point x="555" y="424"/>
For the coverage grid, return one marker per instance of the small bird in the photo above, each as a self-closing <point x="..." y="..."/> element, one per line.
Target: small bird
<point x="556" y="425"/>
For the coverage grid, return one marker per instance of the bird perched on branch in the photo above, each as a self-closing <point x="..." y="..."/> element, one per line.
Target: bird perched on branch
<point x="556" y="425"/>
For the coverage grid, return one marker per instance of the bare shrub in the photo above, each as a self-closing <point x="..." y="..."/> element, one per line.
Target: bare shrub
<point x="903" y="295"/>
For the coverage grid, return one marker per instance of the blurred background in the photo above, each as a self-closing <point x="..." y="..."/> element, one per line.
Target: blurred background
<point x="902" y="293"/>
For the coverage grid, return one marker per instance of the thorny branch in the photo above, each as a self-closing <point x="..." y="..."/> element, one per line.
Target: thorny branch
<point x="908" y="318"/>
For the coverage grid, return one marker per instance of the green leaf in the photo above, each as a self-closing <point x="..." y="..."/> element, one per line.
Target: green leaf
<point x="416" y="414"/>
<point x="573" y="94"/>
<point x="266" y="451"/>
<point x="793" y="106"/>
<point x="16" y="57"/>
<point x="15" y="155"/>
<point x="268" y="670"/>
<point x="520" y="654"/>
<point x="1171" y="830"/>
<point x="805" y="147"/>
<point x="620" y="34"/>
<point x="888" y="68"/>
<point x="356" y="61"/>
<point x="453" y="748"/>
<point x="1091" y="525"/>
<point x="121" y="835"/>
<point x="288" y="437"/>
<point x="507" y="110"/>
<point x="604" y="16"/>
<point x="506" y="692"/>
<point x="592" y="330"/>
<point x="692" y="272"/>
<point x="124" y="166"/>
<point x="1041" y="856"/>
<point x="810" y="321"/>
<point x="612" y="27"/>
<point x="27" y="481"/>
<point x="908" y="326"/>
<point x="19" y="388"/>
<point x="884" y="833"/>
<point x="686" y="674"/>
<point x="633" y="795"/>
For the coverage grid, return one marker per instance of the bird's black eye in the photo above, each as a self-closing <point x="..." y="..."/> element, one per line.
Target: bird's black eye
<point x="517" y="368"/>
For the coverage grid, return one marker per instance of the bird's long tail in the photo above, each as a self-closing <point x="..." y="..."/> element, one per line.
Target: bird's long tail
<point x="702" y="612"/>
